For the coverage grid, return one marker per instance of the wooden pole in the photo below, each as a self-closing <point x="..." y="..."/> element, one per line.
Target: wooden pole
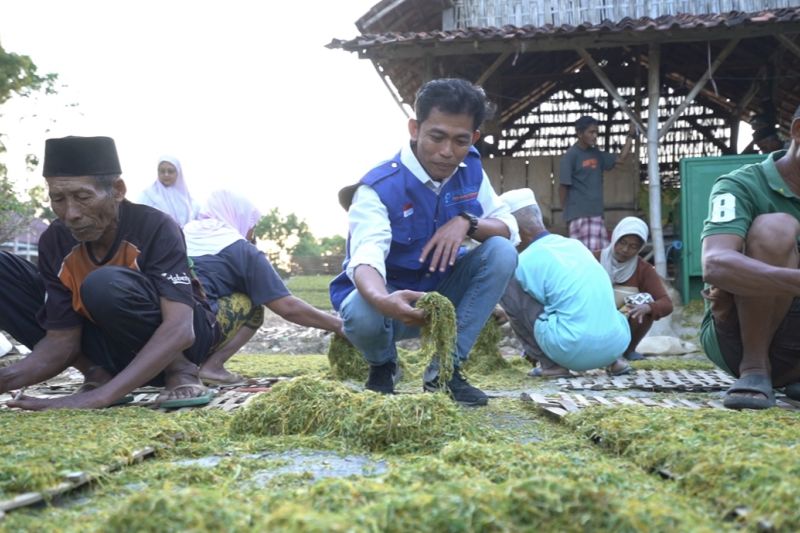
<point x="698" y="86"/>
<point x="788" y="43"/>
<point x="636" y="180"/>
<point x="394" y="94"/>
<point x="492" y="68"/>
<point x="653" y="98"/>
<point x="601" y="76"/>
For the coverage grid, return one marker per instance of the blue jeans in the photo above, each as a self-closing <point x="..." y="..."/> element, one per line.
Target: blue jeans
<point x="474" y="285"/>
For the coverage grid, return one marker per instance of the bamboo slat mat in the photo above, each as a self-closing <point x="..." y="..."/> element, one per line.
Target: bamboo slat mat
<point x="226" y="398"/>
<point x="653" y="380"/>
<point x="559" y="405"/>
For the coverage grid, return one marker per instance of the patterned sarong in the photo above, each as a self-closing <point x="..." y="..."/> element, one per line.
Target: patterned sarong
<point x="236" y="311"/>
<point x="591" y="231"/>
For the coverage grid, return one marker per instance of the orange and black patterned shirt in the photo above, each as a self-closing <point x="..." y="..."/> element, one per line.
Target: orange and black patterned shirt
<point x="147" y="241"/>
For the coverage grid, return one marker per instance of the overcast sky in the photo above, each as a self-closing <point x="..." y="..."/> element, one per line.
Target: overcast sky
<point x="244" y="93"/>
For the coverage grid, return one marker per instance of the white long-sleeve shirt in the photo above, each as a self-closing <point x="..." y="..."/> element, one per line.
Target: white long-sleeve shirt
<point x="371" y="232"/>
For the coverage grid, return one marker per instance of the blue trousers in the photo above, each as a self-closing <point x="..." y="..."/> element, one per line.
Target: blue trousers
<point x="474" y="285"/>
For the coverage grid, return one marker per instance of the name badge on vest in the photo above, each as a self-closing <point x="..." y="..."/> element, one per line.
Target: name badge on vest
<point x="408" y="210"/>
<point x="460" y="196"/>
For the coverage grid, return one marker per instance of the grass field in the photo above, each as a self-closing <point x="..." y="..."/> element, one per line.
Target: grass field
<point x="312" y="289"/>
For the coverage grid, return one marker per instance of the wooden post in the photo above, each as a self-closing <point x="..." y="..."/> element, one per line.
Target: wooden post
<point x="603" y="79"/>
<point x="397" y="99"/>
<point x="653" y="97"/>
<point x="698" y="86"/>
<point x="637" y="143"/>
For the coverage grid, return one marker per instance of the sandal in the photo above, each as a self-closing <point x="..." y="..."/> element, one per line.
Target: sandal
<point x="624" y="370"/>
<point x="750" y="384"/>
<point x="203" y="398"/>
<point x="538" y="373"/>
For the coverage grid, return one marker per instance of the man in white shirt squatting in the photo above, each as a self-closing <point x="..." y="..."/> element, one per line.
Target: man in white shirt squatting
<point x="408" y="218"/>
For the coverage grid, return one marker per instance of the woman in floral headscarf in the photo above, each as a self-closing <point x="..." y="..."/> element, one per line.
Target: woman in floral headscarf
<point x="637" y="286"/>
<point x="169" y="192"/>
<point x="239" y="280"/>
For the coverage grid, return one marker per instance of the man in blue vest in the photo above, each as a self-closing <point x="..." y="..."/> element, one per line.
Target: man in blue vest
<point x="408" y="218"/>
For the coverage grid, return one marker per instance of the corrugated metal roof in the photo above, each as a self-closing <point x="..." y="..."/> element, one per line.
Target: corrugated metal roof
<point x="667" y="23"/>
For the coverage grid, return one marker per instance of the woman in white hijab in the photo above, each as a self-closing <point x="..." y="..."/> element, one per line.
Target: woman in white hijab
<point x="169" y="192"/>
<point x="638" y="288"/>
<point x="239" y="280"/>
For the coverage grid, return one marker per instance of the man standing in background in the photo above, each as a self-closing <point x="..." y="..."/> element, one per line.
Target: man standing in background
<point x="581" y="184"/>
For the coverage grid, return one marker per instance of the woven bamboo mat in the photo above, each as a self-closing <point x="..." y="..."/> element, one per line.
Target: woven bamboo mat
<point x="559" y="405"/>
<point x="653" y="380"/>
<point x="226" y="398"/>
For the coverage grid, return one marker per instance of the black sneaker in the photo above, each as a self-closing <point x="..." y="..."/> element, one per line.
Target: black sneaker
<point x="458" y="387"/>
<point x="382" y="377"/>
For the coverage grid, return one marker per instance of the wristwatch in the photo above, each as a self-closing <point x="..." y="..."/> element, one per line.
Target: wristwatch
<point x="473" y="222"/>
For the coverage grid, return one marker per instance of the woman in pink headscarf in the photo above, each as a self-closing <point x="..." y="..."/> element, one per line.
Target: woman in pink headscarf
<point x="238" y="280"/>
<point x="169" y="192"/>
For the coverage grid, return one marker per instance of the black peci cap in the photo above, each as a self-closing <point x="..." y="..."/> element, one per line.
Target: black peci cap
<point x="80" y="156"/>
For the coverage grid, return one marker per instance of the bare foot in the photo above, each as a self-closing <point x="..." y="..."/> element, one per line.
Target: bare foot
<point x="93" y="378"/>
<point x="219" y="376"/>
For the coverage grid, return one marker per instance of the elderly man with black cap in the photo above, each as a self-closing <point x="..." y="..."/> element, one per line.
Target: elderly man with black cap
<point x="113" y="295"/>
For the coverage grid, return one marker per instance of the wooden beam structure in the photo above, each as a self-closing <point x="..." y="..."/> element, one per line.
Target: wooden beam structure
<point x="602" y="78"/>
<point x="699" y="86"/>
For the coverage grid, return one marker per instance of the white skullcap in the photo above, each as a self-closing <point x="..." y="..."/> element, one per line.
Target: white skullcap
<point x="518" y="198"/>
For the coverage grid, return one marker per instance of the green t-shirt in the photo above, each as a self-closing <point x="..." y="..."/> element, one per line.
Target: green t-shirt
<point x="736" y="200"/>
<point x="739" y="197"/>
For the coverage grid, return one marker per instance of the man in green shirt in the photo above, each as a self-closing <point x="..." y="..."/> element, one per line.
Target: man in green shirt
<point x="750" y="263"/>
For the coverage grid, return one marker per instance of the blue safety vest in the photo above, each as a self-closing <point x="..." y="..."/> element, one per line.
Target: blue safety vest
<point x="415" y="214"/>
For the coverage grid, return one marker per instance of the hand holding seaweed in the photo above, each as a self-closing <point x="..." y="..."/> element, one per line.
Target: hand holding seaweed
<point x="398" y="305"/>
<point x="439" y="332"/>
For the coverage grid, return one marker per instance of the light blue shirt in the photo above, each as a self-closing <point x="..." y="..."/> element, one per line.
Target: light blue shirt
<point x="580" y="327"/>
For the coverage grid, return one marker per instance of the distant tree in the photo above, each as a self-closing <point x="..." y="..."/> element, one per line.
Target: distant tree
<point x="18" y="76"/>
<point x="307" y="246"/>
<point x="282" y="235"/>
<point x="332" y="245"/>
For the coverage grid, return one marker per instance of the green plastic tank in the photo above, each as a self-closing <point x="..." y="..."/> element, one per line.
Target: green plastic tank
<point x="698" y="174"/>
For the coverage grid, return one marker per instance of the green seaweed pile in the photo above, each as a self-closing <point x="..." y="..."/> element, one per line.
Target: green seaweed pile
<point x="469" y="486"/>
<point x="346" y="361"/>
<point x="485" y="481"/>
<point x="37" y="449"/>
<point x="673" y="363"/>
<point x="500" y="468"/>
<point x="408" y="423"/>
<point x="745" y="463"/>
<point x="273" y="365"/>
<point x="485" y="356"/>
<point x="438" y="333"/>
<point x="438" y="337"/>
